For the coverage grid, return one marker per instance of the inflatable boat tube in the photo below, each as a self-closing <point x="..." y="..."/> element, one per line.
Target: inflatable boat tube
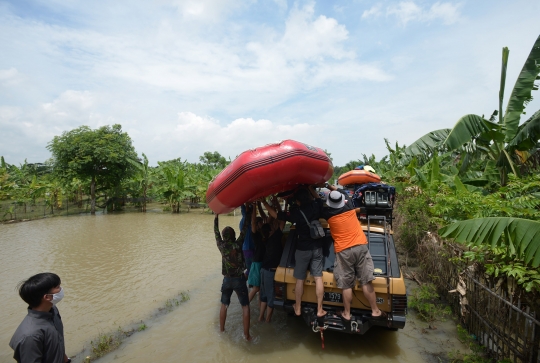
<point x="267" y="170"/>
<point x="358" y="177"/>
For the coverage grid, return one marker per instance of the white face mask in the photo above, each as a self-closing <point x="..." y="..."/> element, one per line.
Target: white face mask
<point x="58" y="296"/>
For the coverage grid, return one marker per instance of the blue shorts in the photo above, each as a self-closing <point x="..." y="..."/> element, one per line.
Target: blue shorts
<point x="236" y="284"/>
<point x="267" y="287"/>
<point x="254" y="278"/>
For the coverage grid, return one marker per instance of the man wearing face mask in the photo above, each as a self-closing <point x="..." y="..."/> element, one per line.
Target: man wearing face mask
<point x="40" y="336"/>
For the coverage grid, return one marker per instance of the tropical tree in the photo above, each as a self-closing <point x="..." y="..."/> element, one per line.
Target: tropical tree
<point x="214" y="160"/>
<point x="173" y="185"/>
<point x="101" y="156"/>
<point x="142" y="179"/>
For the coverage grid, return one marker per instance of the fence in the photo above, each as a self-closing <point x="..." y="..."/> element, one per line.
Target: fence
<point x="18" y="211"/>
<point x="495" y="311"/>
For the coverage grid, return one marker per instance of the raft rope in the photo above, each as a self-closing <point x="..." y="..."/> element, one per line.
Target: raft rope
<point x="321" y="330"/>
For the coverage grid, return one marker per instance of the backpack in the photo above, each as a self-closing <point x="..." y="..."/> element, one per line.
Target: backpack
<point x="315" y="228"/>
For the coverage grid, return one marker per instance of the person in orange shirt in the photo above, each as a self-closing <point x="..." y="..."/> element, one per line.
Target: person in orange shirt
<point x="353" y="260"/>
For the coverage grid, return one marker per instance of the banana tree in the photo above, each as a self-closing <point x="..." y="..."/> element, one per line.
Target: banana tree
<point x="500" y="140"/>
<point x="173" y="185"/>
<point x="142" y="178"/>
<point x="520" y="237"/>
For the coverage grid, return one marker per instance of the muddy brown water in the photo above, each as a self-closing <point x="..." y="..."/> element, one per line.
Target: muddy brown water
<point x="119" y="270"/>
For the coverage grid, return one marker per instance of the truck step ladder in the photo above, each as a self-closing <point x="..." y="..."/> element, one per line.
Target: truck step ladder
<point x="380" y="251"/>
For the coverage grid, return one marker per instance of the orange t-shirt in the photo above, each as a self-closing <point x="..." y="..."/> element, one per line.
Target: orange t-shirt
<point x="346" y="230"/>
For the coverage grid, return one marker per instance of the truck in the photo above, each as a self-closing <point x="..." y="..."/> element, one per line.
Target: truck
<point x="375" y="201"/>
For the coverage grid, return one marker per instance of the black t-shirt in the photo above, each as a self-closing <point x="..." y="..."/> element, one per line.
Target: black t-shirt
<point x="258" y="255"/>
<point x="274" y="249"/>
<point x="312" y="212"/>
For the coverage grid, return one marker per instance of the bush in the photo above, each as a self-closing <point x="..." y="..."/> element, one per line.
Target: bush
<point x="425" y="300"/>
<point x="414" y="218"/>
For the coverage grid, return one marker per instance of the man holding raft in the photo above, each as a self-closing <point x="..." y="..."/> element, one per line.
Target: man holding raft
<point x="308" y="250"/>
<point x="233" y="265"/>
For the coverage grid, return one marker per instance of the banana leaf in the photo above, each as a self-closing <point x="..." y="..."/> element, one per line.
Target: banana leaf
<point x="460" y="187"/>
<point x="435" y="168"/>
<point x="505" y="53"/>
<point x="521" y="236"/>
<point x="427" y="143"/>
<point x="528" y="134"/>
<point x="467" y="128"/>
<point x="521" y="94"/>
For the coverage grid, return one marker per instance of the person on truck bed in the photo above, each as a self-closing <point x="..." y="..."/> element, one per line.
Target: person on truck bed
<point x="232" y="268"/>
<point x="272" y="256"/>
<point x="353" y="259"/>
<point x="308" y="250"/>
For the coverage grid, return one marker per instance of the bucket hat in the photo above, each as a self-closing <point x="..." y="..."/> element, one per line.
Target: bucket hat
<point x="335" y="199"/>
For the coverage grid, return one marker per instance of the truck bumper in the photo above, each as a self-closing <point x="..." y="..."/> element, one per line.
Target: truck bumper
<point x="360" y="323"/>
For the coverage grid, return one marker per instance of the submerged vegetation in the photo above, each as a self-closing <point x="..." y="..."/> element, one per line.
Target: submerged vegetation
<point x="107" y="342"/>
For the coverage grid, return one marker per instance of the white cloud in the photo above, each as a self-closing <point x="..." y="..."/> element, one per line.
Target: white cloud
<point x="374" y="12"/>
<point x="7" y="74"/>
<point x="407" y="11"/>
<point x="193" y="134"/>
<point x="274" y="67"/>
<point x="10" y="77"/>
<point x="69" y="102"/>
<point x="447" y="12"/>
<point x="306" y="38"/>
<point x="203" y="10"/>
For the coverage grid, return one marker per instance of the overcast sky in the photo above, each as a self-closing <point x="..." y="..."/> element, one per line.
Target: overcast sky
<point x="187" y="76"/>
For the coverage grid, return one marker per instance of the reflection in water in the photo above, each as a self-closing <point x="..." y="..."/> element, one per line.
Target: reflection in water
<point x="119" y="269"/>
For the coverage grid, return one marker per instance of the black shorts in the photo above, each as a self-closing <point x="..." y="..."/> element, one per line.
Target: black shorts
<point x="236" y="284"/>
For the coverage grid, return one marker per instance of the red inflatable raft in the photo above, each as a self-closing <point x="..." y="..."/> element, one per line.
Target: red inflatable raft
<point x="358" y="177"/>
<point x="267" y="170"/>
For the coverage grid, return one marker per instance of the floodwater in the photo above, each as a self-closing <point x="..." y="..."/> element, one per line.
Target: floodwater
<point x="119" y="271"/>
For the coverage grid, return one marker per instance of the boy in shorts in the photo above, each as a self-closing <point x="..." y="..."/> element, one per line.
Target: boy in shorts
<point x="233" y="273"/>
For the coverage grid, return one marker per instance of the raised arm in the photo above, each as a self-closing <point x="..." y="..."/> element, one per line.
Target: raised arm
<point x="219" y="240"/>
<point x="253" y="220"/>
<point x="261" y="212"/>
<point x="243" y="210"/>
<point x="278" y="207"/>
<point x="269" y="208"/>
<point x="330" y="187"/>
<point x="314" y="194"/>
<point x="275" y="203"/>
<point x="243" y="231"/>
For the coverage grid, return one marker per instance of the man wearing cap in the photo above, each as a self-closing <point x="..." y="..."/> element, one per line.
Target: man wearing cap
<point x="353" y="260"/>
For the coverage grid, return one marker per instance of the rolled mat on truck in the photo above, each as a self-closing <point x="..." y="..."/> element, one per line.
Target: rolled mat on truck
<point x="266" y="170"/>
